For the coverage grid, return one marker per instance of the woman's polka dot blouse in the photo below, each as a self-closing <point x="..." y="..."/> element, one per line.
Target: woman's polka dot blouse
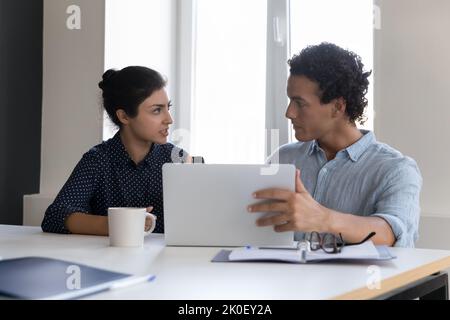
<point x="107" y="177"/>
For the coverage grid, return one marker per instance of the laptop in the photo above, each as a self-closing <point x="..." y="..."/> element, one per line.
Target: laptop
<point x="47" y="278"/>
<point x="206" y="204"/>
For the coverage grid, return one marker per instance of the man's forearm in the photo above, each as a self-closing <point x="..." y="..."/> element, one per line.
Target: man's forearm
<point x="355" y="228"/>
<point x="81" y="223"/>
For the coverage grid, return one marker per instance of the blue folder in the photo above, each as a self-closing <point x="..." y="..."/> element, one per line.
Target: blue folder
<point x="45" y="278"/>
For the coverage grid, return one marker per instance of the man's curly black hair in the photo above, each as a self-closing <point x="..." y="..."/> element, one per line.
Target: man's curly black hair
<point x="338" y="72"/>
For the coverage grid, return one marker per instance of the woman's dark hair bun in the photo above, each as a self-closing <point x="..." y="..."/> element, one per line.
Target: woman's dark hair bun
<point x="126" y="89"/>
<point x="108" y="75"/>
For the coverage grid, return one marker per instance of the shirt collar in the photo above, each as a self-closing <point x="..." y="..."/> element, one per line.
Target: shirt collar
<point x="355" y="150"/>
<point x="314" y="147"/>
<point x="121" y="154"/>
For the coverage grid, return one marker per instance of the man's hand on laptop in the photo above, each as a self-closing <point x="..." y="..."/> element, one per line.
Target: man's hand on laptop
<point x="294" y="211"/>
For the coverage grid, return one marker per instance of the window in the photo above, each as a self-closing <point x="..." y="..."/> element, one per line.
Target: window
<point x="226" y="63"/>
<point x="346" y="23"/>
<point x="139" y="32"/>
<point x="237" y="91"/>
<point x="228" y="111"/>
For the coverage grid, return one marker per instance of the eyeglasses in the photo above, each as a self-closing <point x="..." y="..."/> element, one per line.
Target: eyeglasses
<point x="331" y="243"/>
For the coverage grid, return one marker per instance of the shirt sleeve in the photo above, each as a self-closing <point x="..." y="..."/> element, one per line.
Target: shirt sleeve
<point x="175" y="154"/>
<point x="398" y="203"/>
<point x="75" y="195"/>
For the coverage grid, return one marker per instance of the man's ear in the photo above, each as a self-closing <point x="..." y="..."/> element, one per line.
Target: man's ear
<point x="122" y="116"/>
<point x="339" y="107"/>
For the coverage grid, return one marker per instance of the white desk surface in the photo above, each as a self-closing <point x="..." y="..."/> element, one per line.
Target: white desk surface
<point x="186" y="273"/>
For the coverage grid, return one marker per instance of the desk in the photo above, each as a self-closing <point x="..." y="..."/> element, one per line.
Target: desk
<point x="186" y="273"/>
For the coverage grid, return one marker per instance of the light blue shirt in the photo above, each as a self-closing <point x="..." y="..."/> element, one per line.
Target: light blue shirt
<point x="368" y="178"/>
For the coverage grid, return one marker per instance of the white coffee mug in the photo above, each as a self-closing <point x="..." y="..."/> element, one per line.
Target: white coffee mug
<point x="126" y="226"/>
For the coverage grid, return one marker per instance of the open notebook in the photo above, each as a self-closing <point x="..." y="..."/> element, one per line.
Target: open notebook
<point x="45" y="278"/>
<point x="365" y="251"/>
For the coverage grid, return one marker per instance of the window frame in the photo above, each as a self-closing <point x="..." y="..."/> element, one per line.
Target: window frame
<point x="278" y="41"/>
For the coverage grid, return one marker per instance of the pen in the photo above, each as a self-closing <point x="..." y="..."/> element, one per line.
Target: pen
<point x="131" y="281"/>
<point x="73" y="294"/>
<point x="294" y="247"/>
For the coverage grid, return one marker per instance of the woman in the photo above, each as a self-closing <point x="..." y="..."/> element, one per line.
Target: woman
<point x="125" y="171"/>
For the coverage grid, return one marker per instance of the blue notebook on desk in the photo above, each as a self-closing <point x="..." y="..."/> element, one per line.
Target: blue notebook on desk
<point x="45" y="278"/>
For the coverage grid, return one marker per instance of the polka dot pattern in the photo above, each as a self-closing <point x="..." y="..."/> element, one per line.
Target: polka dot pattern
<point x="107" y="177"/>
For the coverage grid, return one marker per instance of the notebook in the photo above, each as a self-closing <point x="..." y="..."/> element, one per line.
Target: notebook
<point x="365" y="251"/>
<point x="45" y="278"/>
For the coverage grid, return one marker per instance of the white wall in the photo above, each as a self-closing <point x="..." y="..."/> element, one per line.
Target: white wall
<point x="114" y="34"/>
<point x="412" y="112"/>
<point x="73" y="65"/>
<point x="71" y="120"/>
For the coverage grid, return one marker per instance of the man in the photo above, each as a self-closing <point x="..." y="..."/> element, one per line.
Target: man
<point x="347" y="183"/>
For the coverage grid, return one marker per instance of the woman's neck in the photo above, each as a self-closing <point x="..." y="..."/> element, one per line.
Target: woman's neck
<point x="137" y="149"/>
